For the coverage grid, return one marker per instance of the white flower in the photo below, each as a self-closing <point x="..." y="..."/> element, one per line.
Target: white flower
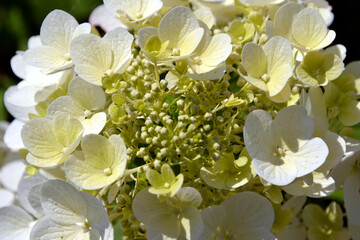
<point x="283" y="149"/>
<point x="15" y="223"/>
<point x="305" y="28"/>
<point x="260" y="3"/>
<point x="314" y="185"/>
<point x="101" y="162"/>
<point x="173" y="218"/>
<point x="208" y="60"/>
<point x="85" y="102"/>
<point x="245" y="215"/>
<point x="177" y="37"/>
<point x="70" y="214"/>
<point x="95" y="58"/>
<point x="133" y="10"/>
<point x="56" y="33"/>
<point x="269" y="67"/>
<point x="51" y="140"/>
<point x="102" y="17"/>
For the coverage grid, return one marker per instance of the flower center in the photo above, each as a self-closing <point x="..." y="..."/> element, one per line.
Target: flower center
<point x="107" y="171"/>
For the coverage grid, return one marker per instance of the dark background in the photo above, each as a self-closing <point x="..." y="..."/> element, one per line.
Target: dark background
<point x="20" y="19"/>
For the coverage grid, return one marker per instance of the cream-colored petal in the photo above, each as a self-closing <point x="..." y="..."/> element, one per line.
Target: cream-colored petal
<point x="176" y="25"/>
<point x="57" y="30"/>
<point x="352" y="197"/>
<point x="87" y="95"/>
<point x="92" y="57"/>
<point x="120" y="40"/>
<point x="62" y="203"/>
<point x="254" y="60"/>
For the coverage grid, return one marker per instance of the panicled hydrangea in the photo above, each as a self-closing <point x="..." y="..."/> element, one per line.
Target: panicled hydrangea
<point x="186" y="119"/>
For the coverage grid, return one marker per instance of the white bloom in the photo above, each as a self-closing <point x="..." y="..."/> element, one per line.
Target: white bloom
<point x="283" y="149"/>
<point x="177" y="37"/>
<point x="51" y="140"/>
<point x="95" y="58"/>
<point x="85" y="102"/>
<point x="101" y="162"/>
<point x="305" y="28"/>
<point x="56" y="33"/>
<point x="15" y="223"/>
<point x="269" y="67"/>
<point x="245" y="215"/>
<point x="314" y="185"/>
<point x="11" y="173"/>
<point x="133" y="10"/>
<point x="102" y="17"/>
<point x="208" y="60"/>
<point x="260" y="3"/>
<point x="12" y="136"/>
<point x="173" y="218"/>
<point x="70" y="214"/>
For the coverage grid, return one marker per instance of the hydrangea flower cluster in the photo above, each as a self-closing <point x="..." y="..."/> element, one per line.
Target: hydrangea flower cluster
<point x="183" y="119"/>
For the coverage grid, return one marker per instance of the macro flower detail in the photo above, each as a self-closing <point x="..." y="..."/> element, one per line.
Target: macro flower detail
<point x="96" y="58"/>
<point x="269" y="67"/>
<point x="51" y="140"/>
<point x="242" y="215"/>
<point x="56" y="33"/>
<point x="70" y="214"/>
<point x="182" y="119"/>
<point x="283" y="149"/>
<point x="101" y="162"/>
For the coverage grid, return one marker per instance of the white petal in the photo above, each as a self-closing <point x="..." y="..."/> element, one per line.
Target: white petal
<point x="249" y="214"/>
<point x="45" y="229"/>
<point x="102" y="17"/>
<point x="12" y="136"/>
<point x="62" y="202"/>
<point x="95" y="124"/>
<point x="187" y="196"/>
<point x="45" y="57"/>
<point x="278" y="51"/>
<point x="34" y="41"/>
<point x="14" y="223"/>
<point x="18" y="64"/>
<point x="64" y="104"/>
<point x="176" y="25"/>
<point x="57" y="30"/>
<point x="254" y="60"/>
<point x="337" y="147"/>
<point x="291" y="124"/>
<point x="217" y="51"/>
<point x="20" y="101"/>
<point x="146" y="206"/>
<point x="86" y="95"/>
<point x="92" y="57"/>
<point x="206" y="16"/>
<point x="191" y="222"/>
<point x="257" y="133"/>
<point x="81" y="29"/>
<point x="322" y="187"/>
<point x="97" y="215"/>
<point x="163" y="226"/>
<point x="352" y="197"/>
<point x="6" y="198"/>
<point x="34" y="199"/>
<point x="24" y="187"/>
<point x="121" y="41"/>
<point x="11" y="173"/>
<point x="310" y="155"/>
